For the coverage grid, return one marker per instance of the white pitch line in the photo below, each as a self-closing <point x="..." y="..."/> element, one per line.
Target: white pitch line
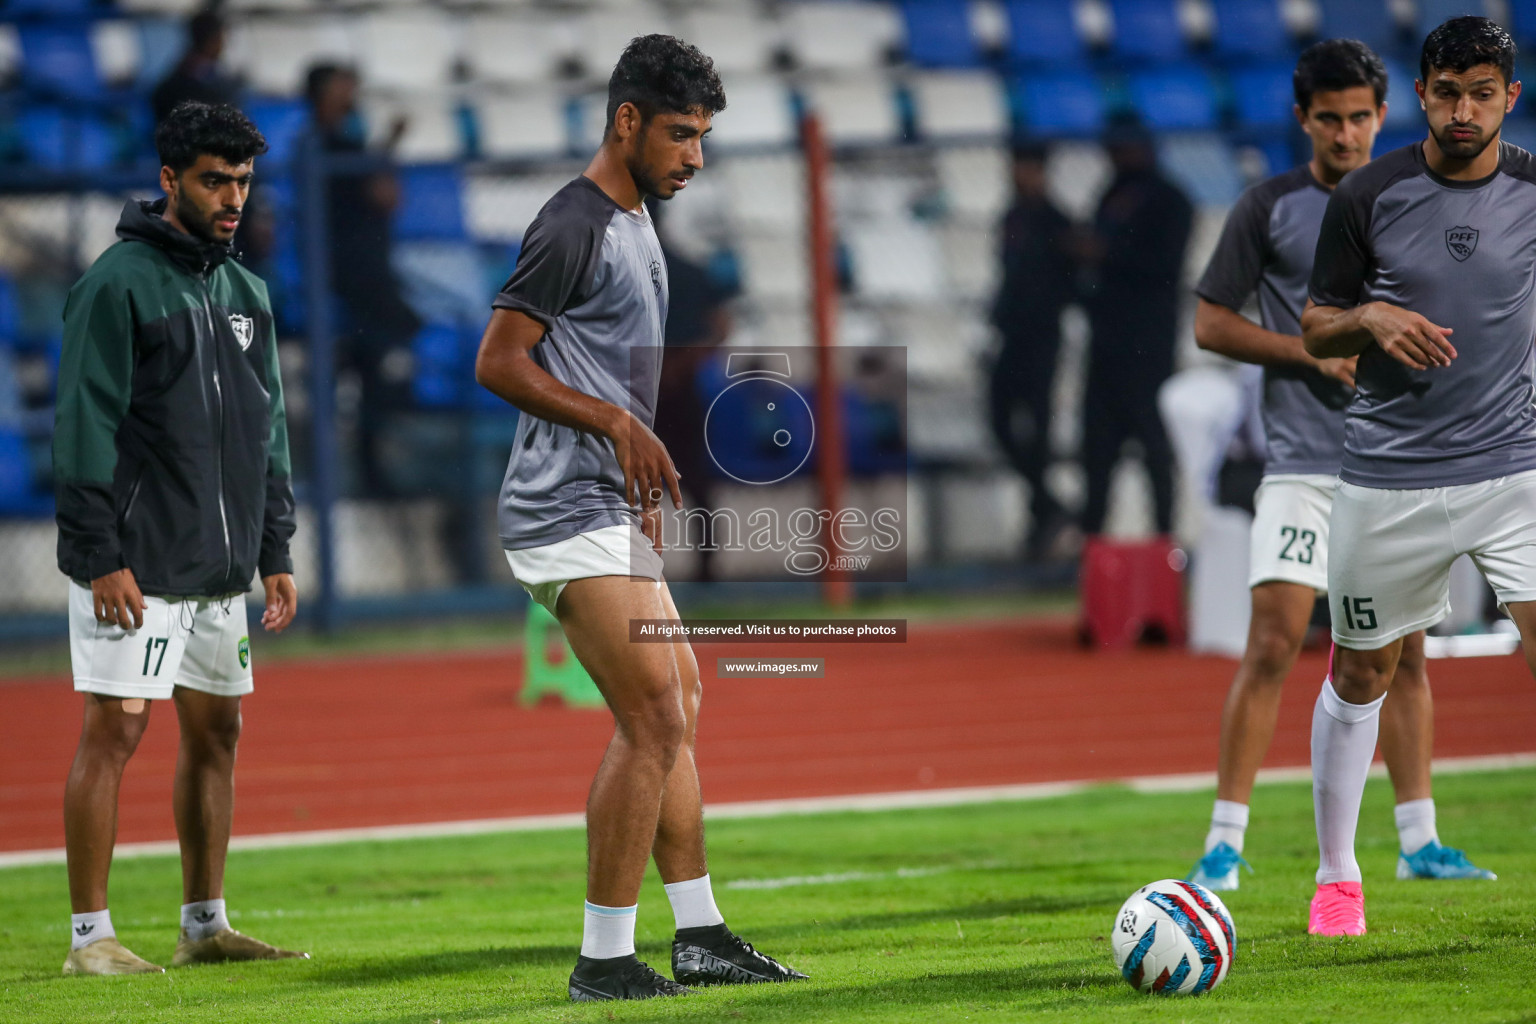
<point x="912" y="799"/>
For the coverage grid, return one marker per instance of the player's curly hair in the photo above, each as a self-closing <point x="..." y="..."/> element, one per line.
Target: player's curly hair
<point x="1335" y="64"/>
<point x="660" y="73"/>
<point x="193" y="128"/>
<point x="1466" y="42"/>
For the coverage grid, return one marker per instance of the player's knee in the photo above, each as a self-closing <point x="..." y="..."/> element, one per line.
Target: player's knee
<point x="1359" y="681"/>
<point x="1272" y="650"/>
<point x="115" y="734"/>
<point x="221" y="735"/>
<point x="658" y="725"/>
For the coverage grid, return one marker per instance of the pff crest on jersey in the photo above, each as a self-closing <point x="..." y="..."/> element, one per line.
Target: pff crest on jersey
<point x="244" y="328"/>
<point x="1461" y="241"/>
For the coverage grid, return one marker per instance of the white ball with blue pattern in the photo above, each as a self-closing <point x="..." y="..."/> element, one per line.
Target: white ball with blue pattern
<point x="1174" y="938"/>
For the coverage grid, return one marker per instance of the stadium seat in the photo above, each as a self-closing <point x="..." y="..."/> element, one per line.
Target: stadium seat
<point x="274" y="54"/>
<point x="846" y="35"/>
<point x="1403" y="113"/>
<point x="895" y="261"/>
<point x="1250" y="28"/>
<point x="160" y="45"/>
<point x="499" y="208"/>
<point x="1370" y="21"/>
<point x="939" y="34"/>
<point x="16" y="492"/>
<point x="1059" y="104"/>
<point x="1522" y="17"/>
<point x="503" y="48"/>
<point x="738" y="41"/>
<point x="1203" y="166"/>
<point x="115" y="45"/>
<point x="431" y="202"/>
<point x="57" y="60"/>
<point x="760" y="113"/>
<point x="855" y="111"/>
<point x="527" y="124"/>
<point x="406" y="48"/>
<point x="602" y="35"/>
<point x="1432" y="12"/>
<point x="435" y="130"/>
<point x="1043" y="32"/>
<point x="441" y="371"/>
<point x="283" y="123"/>
<point x="1147" y="30"/>
<point x="66" y="141"/>
<point x="958" y="104"/>
<point x="1179" y="98"/>
<point x="48" y="8"/>
<point x="1263" y="96"/>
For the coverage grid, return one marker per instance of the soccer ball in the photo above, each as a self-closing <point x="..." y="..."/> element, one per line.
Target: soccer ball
<point x="1173" y="938"/>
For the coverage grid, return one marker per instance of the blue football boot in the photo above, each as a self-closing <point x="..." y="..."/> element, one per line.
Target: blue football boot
<point x="1435" y="861"/>
<point x="1217" y="870"/>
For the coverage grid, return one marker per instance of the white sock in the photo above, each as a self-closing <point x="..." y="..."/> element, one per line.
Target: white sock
<point x="1229" y="820"/>
<point x="204" y="918"/>
<point x="85" y="929"/>
<point x="1416" y="824"/>
<point x="1343" y="740"/>
<point x="693" y="903"/>
<point x="607" y="932"/>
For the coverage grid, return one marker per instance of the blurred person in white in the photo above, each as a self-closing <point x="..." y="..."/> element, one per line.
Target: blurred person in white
<point x="1267" y="248"/>
<point x="575" y="343"/>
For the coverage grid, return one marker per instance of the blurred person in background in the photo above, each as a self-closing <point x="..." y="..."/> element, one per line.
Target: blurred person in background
<point x="170" y="455"/>
<point x="1267" y="248"/>
<point x="1132" y="262"/>
<point x="361" y="200"/>
<point x="698" y="322"/>
<point x="1038" y="280"/>
<point x="575" y="342"/>
<point x="199" y="75"/>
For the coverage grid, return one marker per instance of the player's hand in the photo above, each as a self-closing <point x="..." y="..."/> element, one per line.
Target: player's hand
<point x="1408" y="337"/>
<point x="648" y="470"/>
<point x="282" y="601"/>
<point x="117" y="599"/>
<point x="1340" y="369"/>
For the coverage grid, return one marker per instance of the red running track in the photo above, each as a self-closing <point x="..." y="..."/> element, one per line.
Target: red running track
<point x="393" y="740"/>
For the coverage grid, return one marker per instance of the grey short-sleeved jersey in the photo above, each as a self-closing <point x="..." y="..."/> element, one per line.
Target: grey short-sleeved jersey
<point x="593" y="274"/>
<point x="1267" y="246"/>
<point x="1462" y="254"/>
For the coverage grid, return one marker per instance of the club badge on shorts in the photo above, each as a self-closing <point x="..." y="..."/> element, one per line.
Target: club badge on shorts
<point x="245" y="652"/>
<point x="244" y="328"/>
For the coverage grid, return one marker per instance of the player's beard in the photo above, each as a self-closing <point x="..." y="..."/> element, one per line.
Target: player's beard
<point x="1469" y="150"/>
<point x="198" y="224"/>
<point x="647" y="183"/>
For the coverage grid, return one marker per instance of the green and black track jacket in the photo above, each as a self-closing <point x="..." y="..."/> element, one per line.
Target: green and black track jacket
<point x="170" y="446"/>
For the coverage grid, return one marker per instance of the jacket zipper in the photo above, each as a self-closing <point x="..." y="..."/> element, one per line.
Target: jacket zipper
<point x="218" y="393"/>
<point x="133" y="493"/>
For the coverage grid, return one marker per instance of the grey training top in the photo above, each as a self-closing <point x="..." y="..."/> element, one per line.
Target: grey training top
<point x="1267" y="245"/>
<point x="1462" y="254"/>
<point x="593" y="274"/>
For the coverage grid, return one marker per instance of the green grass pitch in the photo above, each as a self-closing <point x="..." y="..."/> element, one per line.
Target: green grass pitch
<point x="986" y="912"/>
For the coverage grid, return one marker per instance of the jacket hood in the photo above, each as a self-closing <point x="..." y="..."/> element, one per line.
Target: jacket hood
<point x="145" y="222"/>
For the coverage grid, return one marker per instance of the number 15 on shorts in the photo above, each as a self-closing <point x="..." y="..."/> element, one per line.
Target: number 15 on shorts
<point x="1358" y="613"/>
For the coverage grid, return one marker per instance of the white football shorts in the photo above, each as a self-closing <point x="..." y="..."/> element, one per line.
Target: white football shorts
<point x="1289" y="541"/>
<point x="611" y="551"/>
<point x="1392" y="553"/>
<point x="201" y="643"/>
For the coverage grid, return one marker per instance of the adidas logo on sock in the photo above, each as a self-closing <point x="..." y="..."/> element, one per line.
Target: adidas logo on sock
<point x="203" y="916"/>
<point x="83" y="930"/>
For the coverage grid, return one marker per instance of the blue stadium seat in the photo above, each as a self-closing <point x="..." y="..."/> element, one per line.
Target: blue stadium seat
<point x="441" y="366"/>
<point x="1366" y="20"/>
<point x="431" y="202"/>
<point x="10" y="315"/>
<point x="1059" y="104"/>
<point x="1044" y="32"/>
<point x="939" y="34"/>
<point x="1147" y="30"/>
<point x="65" y="140"/>
<point x="15" y="473"/>
<point x="1180" y="98"/>
<point x="1203" y="165"/>
<point x="283" y="122"/>
<point x="1522" y="16"/>
<point x="57" y="60"/>
<point x="1263" y="96"/>
<point x="1250" y="28"/>
<point x="1433" y="12"/>
<point x="1403" y="113"/>
<point x="1280" y="153"/>
<point x="54" y="8"/>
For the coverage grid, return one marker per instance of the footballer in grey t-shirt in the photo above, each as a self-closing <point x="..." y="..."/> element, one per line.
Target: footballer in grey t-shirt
<point x="593" y="274"/>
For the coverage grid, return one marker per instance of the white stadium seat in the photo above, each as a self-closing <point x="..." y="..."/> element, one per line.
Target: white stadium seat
<point x="432" y="134"/>
<point x="516" y="48"/>
<point x="959" y="104"/>
<point x="274" y="54"/>
<point x="841" y="35"/>
<point x="531" y="124"/>
<point x="115" y="46"/>
<point x="767" y="192"/>
<point x="601" y="36"/>
<point x="10" y="51"/>
<point x="499" y="209"/>
<point x="895" y="260"/>
<point x="758" y="112"/>
<point x="406" y="49"/>
<point x="855" y="110"/>
<point x="976" y="181"/>
<point x="737" y="39"/>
